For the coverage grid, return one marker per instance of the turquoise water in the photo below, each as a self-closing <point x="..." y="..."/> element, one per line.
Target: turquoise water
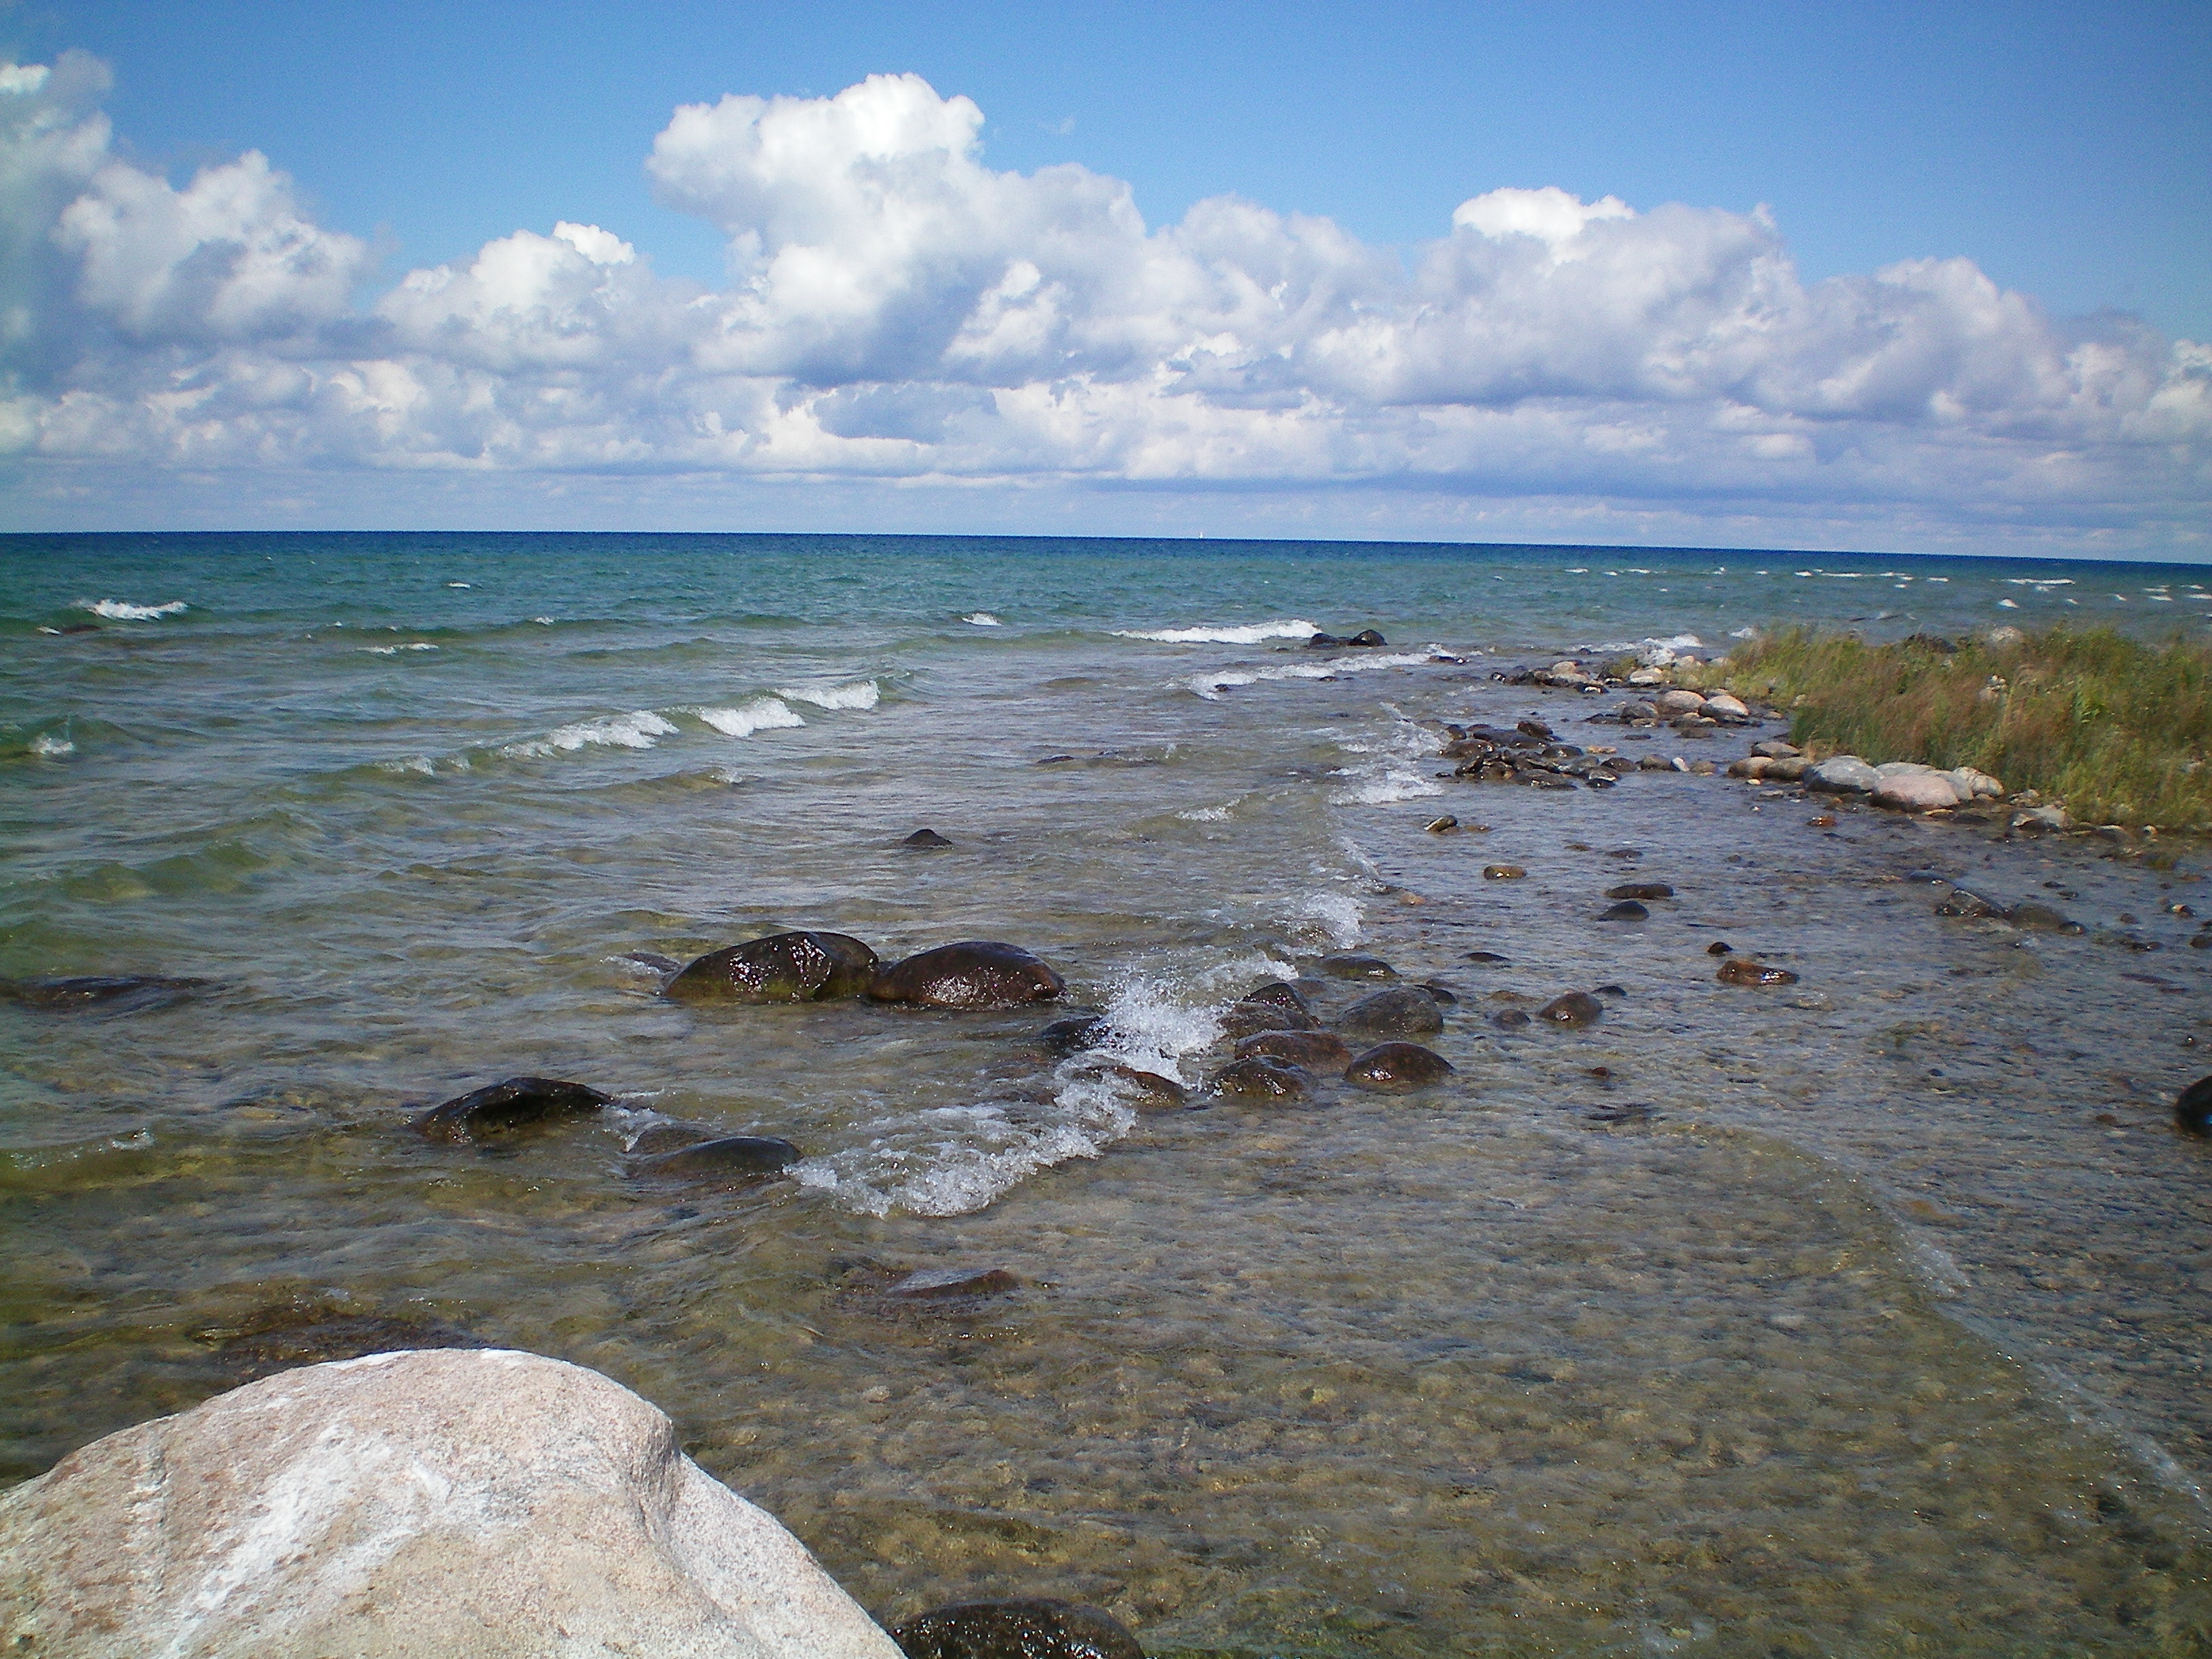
<point x="1881" y="1332"/>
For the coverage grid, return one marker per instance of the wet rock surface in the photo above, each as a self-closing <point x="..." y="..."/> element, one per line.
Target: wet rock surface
<point x="1574" y="1009"/>
<point x="1036" y="1629"/>
<point x="971" y="973"/>
<point x="729" y="1157"/>
<point x="1262" y="1080"/>
<point x="1392" y="1069"/>
<point x="1317" y="1051"/>
<point x="1356" y="967"/>
<point x="806" y="966"/>
<point x="116" y="993"/>
<point x="501" y="1109"/>
<point x="1405" y="1011"/>
<point x="1740" y="970"/>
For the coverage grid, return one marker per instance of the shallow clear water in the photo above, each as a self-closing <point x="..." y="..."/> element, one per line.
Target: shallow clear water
<point x="1881" y="1332"/>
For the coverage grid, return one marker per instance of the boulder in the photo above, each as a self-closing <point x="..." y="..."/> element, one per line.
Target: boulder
<point x="1790" y="768"/>
<point x="1724" y="703"/>
<point x="499" y="1109"/>
<point x="2041" y="820"/>
<point x="1738" y="971"/>
<point x="1677" y="701"/>
<point x="1038" y="1628"/>
<point x="1310" y="1049"/>
<point x="1842" y="774"/>
<point x="1511" y="1020"/>
<point x="1574" y="1008"/>
<point x="2034" y="914"/>
<point x="1397" y="1068"/>
<point x="1402" y="1011"/>
<point x="2192" y="1113"/>
<point x="1640" y="889"/>
<point x="1148" y="1091"/>
<point x="1260" y="1079"/>
<point x="1775" y="749"/>
<point x="925" y="841"/>
<point x="1917" y="792"/>
<point x="1075" y="1034"/>
<point x="1751" y="766"/>
<point x="1275" y="993"/>
<point x="1626" y="910"/>
<point x="1502" y="873"/>
<point x="807" y="966"/>
<point x="732" y="1157"/>
<point x="500" y="1505"/>
<point x="972" y="973"/>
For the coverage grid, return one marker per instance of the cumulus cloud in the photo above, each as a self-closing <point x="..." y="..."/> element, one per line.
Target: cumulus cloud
<point x="896" y="309"/>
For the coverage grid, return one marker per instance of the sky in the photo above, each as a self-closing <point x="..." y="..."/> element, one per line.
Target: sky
<point x="1873" y="276"/>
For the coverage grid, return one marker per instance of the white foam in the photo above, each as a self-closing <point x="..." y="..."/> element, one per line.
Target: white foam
<point x="1340" y="915"/>
<point x="1204" y="814"/>
<point x="414" y="765"/>
<point x="862" y="694"/>
<point x="638" y="730"/>
<point x="1396" y="783"/>
<point x="460" y="584"/>
<point x="394" y="650"/>
<point x="1210" y="686"/>
<point x="1225" y="632"/>
<point x="120" y="610"/>
<point x="761" y="714"/>
<point x="47" y="747"/>
<point x="1744" y="634"/>
<point x="2038" y="581"/>
<point x="2007" y="605"/>
<point x="983" y="619"/>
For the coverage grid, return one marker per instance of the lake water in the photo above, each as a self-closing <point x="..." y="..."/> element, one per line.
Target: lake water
<point x="1877" y="1326"/>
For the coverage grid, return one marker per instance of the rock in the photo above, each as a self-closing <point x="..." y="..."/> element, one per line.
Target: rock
<point x="116" y="992"/>
<point x="1917" y="792"/>
<point x="2003" y="636"/>
<point x="972" y="973"/>
<point x="1960" y="902"/>
<point x="1072" y="1037"/>
<point x="1739" y="971"/>
<point x="474" y="1501"/>
<point x="655" y="960"/>
<point x="1313" y="1049"/>
<point x="1403" y="1010"/>
<point x="1397" y="1068"/>
<point x="290" y="1335"/>
<point x="1016" y="1630"/>
<point x="1640" y="889"/>
<point x="1751" y="766"/>
<point x="1626" y="910"/>
<point x="1502" y="873"/>
<point x="1440" y="993"/>
<point x="667" y="1137"/>
<point x="1250" y="1018"/>
<point x="1576" y="1008"/>
<point x="2040" y="820"/>
<point x="1775" y="749"/>
<point x="930" y="1284"/>
<point x="802" y="967"/>
<point x="1719" y="948"/>
<point x="1443" y="826"/>
<point x="1979" y="786"/>
<point x="1351" y="967"/>
<point x="1324" y="642"/>
<point x="2193" y="1111"/>
<point x="1791" y="768"/>
<point x="1842" y="774"/>
<point x="501" y="1108"/>
<point x="1153" y="1092"/>
<point x="1260" y="1079"/>
<point x="1512" y="1019"/>
<point x="1703" y="769"/>
<point x="1677" y="701"/>
<point x="1723" y="702"/>
<point x="1488" y="958"/>
<point x="731" y="1157"/>
<point x="1276" y="993"/>
<point x="924" y="840"/>
<point x="1367" y="636"/>
<point x="2034" y="914"/>
<point x="1825" y="821"/>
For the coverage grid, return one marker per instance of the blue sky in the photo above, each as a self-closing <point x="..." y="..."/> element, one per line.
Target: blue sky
<point x="2064" y="152"/>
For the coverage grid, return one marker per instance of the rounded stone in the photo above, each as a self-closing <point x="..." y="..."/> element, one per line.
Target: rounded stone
<point x="1246" y="1019"/>
<point x="498" y="1109"/>
<point x="806" y="966"/>
<point x="1073" y="1036"/>
<point x="1917" y="792"/>
<point x="1275" y="993"/>
<point x="1262" y="1080"/>
<point x="1574" y="1008"/>
<point x="1151" y="1091"/>
<point x="1640" y="889"/>
<point x="1842" y="774"/>
<point x="1039" y="1629"/>
<point x="1488" y="958"/>
<point x="1354" y="967"/>
<point x="925" y="840"/>
<point x="1511" y="1020"/>
<point x="1402" y="1011"/>
<point x="1502" y="873"/>
<point x="1397" y="1068"/>
<point x="733" y="1157"/>
<point x="971" y="973"/>
<point x="1739" y="971"/>
<point x="929" y="1283"/>
<point x="2192" y="1113"/>
<point x="1626" y="910"/>
<point x="667" y="1137"/>
<point x="1311" y="1049"/>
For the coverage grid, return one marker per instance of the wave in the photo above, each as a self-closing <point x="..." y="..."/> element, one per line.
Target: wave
<point x="123" y="610"/>
<point x="761" y="714"/>
<point x="49" y="747"/>
<point x="394" y="650"/>
<point x="862" y="694"/>
<point x="983" y="619"/>
<point x="1211" y="686"/>
<point x="1225" y="632"/>
<point x="641" y="729"/>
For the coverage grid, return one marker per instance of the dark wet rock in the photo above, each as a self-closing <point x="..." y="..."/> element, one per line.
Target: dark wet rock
<point x="1260" y="1079"/>
<point x="667" y="1137"/>
<point x="279" y="1339"/>
<point x="1443" y="995"/>
<point x="1367" y="636"/>
<point x="1153" y="1092"/>
<point x="1929" y="877"/>
<point x="2034" y="914"/>
<point x="499" y="1109"/>
<point x="1961" y="901"/>
<point x="1626" y="910"/>
<point x="733" y="1157"/>
<point x="1443" y="826"/>
<point x="2192" y="1113"/>
<point x="1397" y="1068"/>
<point x="1737" y="970"/>
<point x="807" y="966"/>
<point x="1574" y="1008"/>
<point x="972" y="973"/>
<point x="114" y="992"/>
<point x="1325" y="642"/>
<point x="2200" y="941"/>
<point x="1488" y="958"/>
<point x="1316" y="1050"/>
<point x="1403" y="1010"/>
<point x="1246" y="1019"/>
<point x="924" y="840"/>
<point x="1016" y="1630"/>
<point x="1275" y="993"/>
<point x="928" y="1284"/>
<point x="1640" y="889"/>
<point x="1072" y="1037"/>
<point x="1611" y="990"/>
<point x="1354" y="967"/>
<point x="1502" y="873"/>
<point x="1511" y="1020"/>
<point x="1719" y="948"/>
<point x="655" y="960"/>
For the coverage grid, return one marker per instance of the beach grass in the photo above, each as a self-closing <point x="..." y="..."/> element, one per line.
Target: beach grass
<point x="2118" y="730"/>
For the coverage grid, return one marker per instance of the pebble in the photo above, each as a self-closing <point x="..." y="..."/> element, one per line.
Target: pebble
<point x="1502" y="873"/>
<point x="1394" y="1068"/>
<point x="1738" y="971"/>
<point x="1034" y="1629"/>
<point x="1574" y="1008"/>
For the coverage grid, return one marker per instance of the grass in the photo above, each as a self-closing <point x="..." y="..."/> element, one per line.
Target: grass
<point x="2118" y="730"/>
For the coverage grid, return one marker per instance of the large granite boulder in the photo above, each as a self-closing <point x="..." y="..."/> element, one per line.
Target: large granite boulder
<point x="808" y="966"/>
<point x="474" y="1502"/>
<point x="973" y="974"/>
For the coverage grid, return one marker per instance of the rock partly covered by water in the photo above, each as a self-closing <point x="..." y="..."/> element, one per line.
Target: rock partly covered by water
<point x="972" y="973"/>
<point x="1397" y="1068"/>
<point x="498" y="1109"/>
<point x="1037" y="1629"/>
<point x="496" y="1504"/>
<point x="807" y="966"/>
<point x="1842" y="774"/>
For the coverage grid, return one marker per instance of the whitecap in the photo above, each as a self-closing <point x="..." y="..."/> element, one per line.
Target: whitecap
<point x="638" y="730"/>
<point x="48" y="747"/>
<point x="1396" y="783"/>
<point x="862" y="694"/>
<point x="983" y="619"/>
<point x="1339" y="914"/>
<point x="394" y="650"/>
<point x="460" y="584"/>
<point x="1744" y="634"/>
<point x="1210" y="686"/>
<point x="761" y="714"/>
<point x="1204" y="814"/>
<point x="121" y="611"/>
<point x="2009" y="605"/>
<point x="1224" y="633"/>
<point x="413" y="765"/>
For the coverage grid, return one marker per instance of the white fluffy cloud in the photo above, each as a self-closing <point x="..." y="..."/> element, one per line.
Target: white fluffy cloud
<point x="896" y="309"/>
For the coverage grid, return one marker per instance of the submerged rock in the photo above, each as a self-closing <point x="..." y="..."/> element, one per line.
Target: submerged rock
<point x="1640" y="889"/>
<point x="1397" y="1068"/>
<point x="1313" y="1049"/>
<point x="285" y="1337"/>
<point x="1356" y="967"/>
<point x="1502" y="873"/>
<point x="1511" y="1020"/>
<point x="1073" y="1036"/>
<point x="2193" y="1111"/>
<point x="1963" y="902"/>
<point x="1260" y="1079"/>
<point x="931" y="1283"/>
<point x="108" y="991"/>
<point x="1574" y="1008"/>
<point x="1626" y="910"/>
<point x="925" y="841"/>
<point x="807" y="966"/>
<point x="499" y="1108"/>
<point x="730" y="1158"/>
<point x="1250" y="1018"/>
<point x="1403" y="1010"/>
<point x="1037" y="1629"/>
<point x="463" y="1501"/>
<point x="972" y="973"/>
<point x="667" y="1137"/>
<point x="1737" y="970"/>
<point x="1275" y="993"/>
<point x="2034" y="914"/>
<point x="1153" y="1092"/>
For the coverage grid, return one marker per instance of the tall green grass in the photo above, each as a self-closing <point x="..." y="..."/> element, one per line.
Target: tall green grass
<point x="2120" y="731"/>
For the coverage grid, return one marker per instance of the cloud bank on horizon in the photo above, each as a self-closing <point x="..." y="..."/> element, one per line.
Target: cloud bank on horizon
<point x="898" y="312"/>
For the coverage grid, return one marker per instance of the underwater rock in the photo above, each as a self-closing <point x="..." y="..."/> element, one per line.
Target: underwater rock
<point x="1397" y="1068"/>
<point x="1512" y="1019"/>
<point x="1738" y="970"/>
<point x="667" y="1137"/>
<point x="1574" y="1008"/>
<point x="1640" y="889"/>
<point x="971" y="973"/>
<point x="1314" y="1049"/>
<point x="501" y="1108"/>
<point x="1039" y="1629"/>
<point x="798" y="967"/>
<point x="107" y="991"/>
<point x="1276" y="994"/>
<point x="1353" y="967"/>
<point x="930" y="1283"/>
<point x="1626" y="910"/>
<point x="925" y="841"/>
<point x="1403" y="1010"/>
<point x="1073" y="1036"/>
<point x="2193" y="1111"/>
<point x="1260" y="1079"/>
<point x="1154" y="1093"/>
<point x="1502" y="873"/>
<point x="1246" y="1019"/>
<point x="731" y="1157"/>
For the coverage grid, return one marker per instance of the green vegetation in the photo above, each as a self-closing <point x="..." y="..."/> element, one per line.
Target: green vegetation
<point x="2120" y="731"/>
